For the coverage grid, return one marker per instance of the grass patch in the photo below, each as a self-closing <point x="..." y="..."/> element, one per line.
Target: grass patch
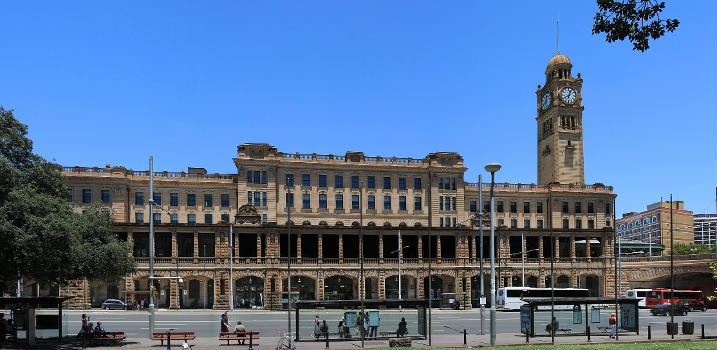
<point x="677" y="345"/>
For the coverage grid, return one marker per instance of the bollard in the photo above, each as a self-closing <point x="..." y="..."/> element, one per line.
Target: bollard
<point x="703" y="331"/>
<point x="251" y="343"/>
<point x="649" y="331"/>
<point x="465" y="337"/>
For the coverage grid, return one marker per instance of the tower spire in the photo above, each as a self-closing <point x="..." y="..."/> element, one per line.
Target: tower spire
<point x="557" y="35"/>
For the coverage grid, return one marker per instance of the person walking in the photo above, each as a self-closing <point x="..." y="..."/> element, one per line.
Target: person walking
<point x="225" y="325"/>
<point x="613" y="325"/>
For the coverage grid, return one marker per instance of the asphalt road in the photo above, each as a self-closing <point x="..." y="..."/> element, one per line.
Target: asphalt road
<point x="205" y="323"/>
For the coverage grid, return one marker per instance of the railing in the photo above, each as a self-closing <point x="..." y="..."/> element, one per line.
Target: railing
<point x="331" y="157"/>
<point x="160" y="174"/>
<point x="710" y="256"/>
<point x="519" y="186"/>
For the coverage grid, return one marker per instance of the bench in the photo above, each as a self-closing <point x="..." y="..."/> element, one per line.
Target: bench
<point x="605" y="329"/>
<point x="112" y="336"/>
<point x="162" y="336"/>
<point x="565" y="330"/>
<point x="238" y="336"/>
<point x="386" y="334"/>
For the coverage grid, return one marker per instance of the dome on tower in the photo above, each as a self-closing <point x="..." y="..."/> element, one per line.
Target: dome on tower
<point x="558" y="59"/>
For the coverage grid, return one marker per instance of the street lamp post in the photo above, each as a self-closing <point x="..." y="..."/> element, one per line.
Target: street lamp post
<point x="482" y="290"/>
<point x="231" y="265"/>
<point x="288" y="261"/>
<point x="151" y="246"/>
<point x="399" y="251"/>
<point x="492" y="168"/>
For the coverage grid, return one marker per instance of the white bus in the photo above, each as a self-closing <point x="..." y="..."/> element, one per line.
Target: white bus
<point x="640" y="294"/>
<point x="511" y="298"/>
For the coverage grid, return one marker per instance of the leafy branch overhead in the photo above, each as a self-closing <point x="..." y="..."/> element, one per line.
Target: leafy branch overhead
<point x="637" y="20"/>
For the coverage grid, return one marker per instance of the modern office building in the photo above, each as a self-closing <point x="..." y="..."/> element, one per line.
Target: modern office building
<point x="326" y="212"/>
<point x="705" y="228"/>
<point x="654" y="224"/>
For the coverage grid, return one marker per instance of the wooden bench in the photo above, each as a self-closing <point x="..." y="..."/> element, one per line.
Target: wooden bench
<point x="239" y="336"/>
<point x="112" y="336"/>
<point x="162" y="336"/>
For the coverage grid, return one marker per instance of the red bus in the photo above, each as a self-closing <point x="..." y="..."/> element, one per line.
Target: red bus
<point x="662" y="296"/>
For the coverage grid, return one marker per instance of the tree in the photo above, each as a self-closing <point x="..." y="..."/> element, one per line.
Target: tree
<point x="43" y="239"/>
<point x="691" y="248"/>
<point x="638" y="22"/>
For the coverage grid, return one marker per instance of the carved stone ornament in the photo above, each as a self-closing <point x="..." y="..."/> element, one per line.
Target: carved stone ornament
<point x="247" y="213"/>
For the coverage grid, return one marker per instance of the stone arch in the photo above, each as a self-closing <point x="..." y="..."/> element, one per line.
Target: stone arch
<point x="304" y="284"/>
<point x="408" y="286"/>
<point x="531" y="281"/>
<point x="340" y="287"/>
<point x="249" y="291"/>
<point x="562" y="281"/>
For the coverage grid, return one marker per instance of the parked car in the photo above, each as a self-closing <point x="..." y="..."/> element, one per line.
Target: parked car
<point x="115" y="304"/>
<point x="691" y="305"/>
<point x="664" y="310"/>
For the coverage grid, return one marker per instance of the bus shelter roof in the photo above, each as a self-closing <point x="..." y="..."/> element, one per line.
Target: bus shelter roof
<point x="368" y="303"/>
<point x="32" y="302"/>
<point x="579" y="301"/>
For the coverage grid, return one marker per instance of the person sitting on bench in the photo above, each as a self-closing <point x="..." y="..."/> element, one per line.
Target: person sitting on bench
<point x="552" y="327"/>
<point x="240" y="328"/>
<point x="402" y="328"/>
<point x="99" y="329"/>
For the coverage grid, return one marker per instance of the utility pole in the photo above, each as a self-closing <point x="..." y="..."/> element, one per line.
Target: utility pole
<point x="288" y="262"/>
<point x="231" y="265"/>
<point x="400" y="249"/>
<point x="151" y="246"/>
<point x="482" y="291"/>
<point x="672" y="270"/>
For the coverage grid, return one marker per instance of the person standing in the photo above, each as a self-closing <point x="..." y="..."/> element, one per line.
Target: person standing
<point x="225" y="325"/>
<point x="317" y="327"/>
<point x="613" y="325"/>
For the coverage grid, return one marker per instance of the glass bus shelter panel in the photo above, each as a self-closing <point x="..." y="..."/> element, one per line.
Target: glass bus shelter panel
<point x="384" y="321"/>
<point x="572" y="322"/>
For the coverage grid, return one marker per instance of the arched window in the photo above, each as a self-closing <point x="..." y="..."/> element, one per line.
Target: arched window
<point x="306" y="223"/>
<point x="355" y="224"/>
<point x="637" y="223"/>
<point x="647" y="221"/>
<point x="654" y="219"/>
<point x="386" y="224"/>
<point x="289" y="222"/>
<point x="402" y="225"/>
<point x="418" y="224"/>
<point x="371" y="223"/>
<point x="323" y="223"/>
<point x="622" y="227"/>
<point x="629" y="226"/>
<point x="339" y="223"/>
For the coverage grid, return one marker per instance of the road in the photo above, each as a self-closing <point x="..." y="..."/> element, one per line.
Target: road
<point x="206" y="322"/>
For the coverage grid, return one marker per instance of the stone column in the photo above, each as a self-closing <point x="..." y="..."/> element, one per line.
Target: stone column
<point x="438" y="249"/>
<point x="174" y="244"/>
<point x="380" y="248"/>
<point x="130" y="240"/>
<point x="476" y="253"/>
<point x="467" y="289"/>
<point x="419" y="286"/>
<point x="341" y="248"/>
<point x="540" y="248"/>
<point x="541" y="279"/>
<point x="196" y="247"/>
<point x="420" y="248"/>
<point x="258" y="244"/>
<point x="574" y="277"/>
<point x="556" y="253"/>
<point x="298" y="247"/>
<point x="572" y="247"/>
<point x="174" y="294"/>
<point x="587" y="248"/>
<point x="382" y="282"/>
<point x="321" y="248"/>
<point x="320" y="285"/>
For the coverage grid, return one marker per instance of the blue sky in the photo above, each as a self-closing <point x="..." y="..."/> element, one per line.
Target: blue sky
<point x="188" y="81"/>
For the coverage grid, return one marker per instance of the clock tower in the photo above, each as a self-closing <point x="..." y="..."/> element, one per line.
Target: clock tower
<point x="560" y="125"/>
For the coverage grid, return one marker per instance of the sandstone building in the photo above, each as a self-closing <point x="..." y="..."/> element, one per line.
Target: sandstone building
<point x="329" y="200"/>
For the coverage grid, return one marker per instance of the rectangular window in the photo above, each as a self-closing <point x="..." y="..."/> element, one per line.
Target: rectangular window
<point x="157" y="218"/>
<point x="339" y="181"/>
<point x="454" y="204"/>
<point x="539" y="207"/>
<point x="526" y="223"/>
<point x="249" y="197"/>
<point x="157" y="196"/>
<point x="578" y="223"/>
<point x="371" y="182"/>
<point x="526" y="207"/>
<point x="174" y="199"/>
<point x="453" y="184"/>
<point x="607" y="209"/>
<point x="513" y="223"/>
<point x="473" y="207"/>
<point x="371" y="202"/>
<point x="501" y="222"/>
<point x="565" y="207"/>
<point x="402" y="203"/>
<point x="257" y="177"/>
<point x="401" y="183"/>
<point x="289" y="200"/>
<point x="139" y="217"/>
<point x="354" y="182"/>
<point x="386" y="202"/>
<point x="539" y="223"/>
<point x="578" y="207"/>
<point x="69" y="195"/>
<point x="191" y="200"/>
<point x="386" y="183"/>
<point x="486" y="207"/>
<point x="322" y="180"/>
<point x="591" y="224"/>
<point x="566" y="223"/>
<point x="306" y="201"/>
<point x="441" y="222"/>
<point x="440" y="203"/>
<point x="499" y="206"/>
<point x="208" y="219"/>
<point x="417" y="183"/>
<point x="264" y="178"/>
<point x="306" y="180"/>
<point x="513" y="207"/>
<point x="86" y="196"/>
<point x="225" y="200"/>
<point x="264" y="218"/>
<point x="417" y="205"/>
<point x="225" y="218"/>
<point x="209" y="200"/>
<point x="339" y="201"/>
<point x="591" y="207"/>
<point x="249" y="176"/>
<point x="454" y="222"/>
<point x="440" y="186"/>
<point x="191" y="218"/>
<point x="290" y="179"/>
<point x="263" y="199"/>
<point x="105" y="196"/>
<point x="174" y="218"/>
<point x="354" y="201"/>
<point x="447" y="184"/>
<point x="448" y="203"/>
<point x="257" y="198"/>
<point x="322" y="201"/>
<point x="139" y="198"/>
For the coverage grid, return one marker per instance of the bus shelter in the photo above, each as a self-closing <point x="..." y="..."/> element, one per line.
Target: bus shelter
<point x="383" y="318"/>
<point x="577" y="316"/>
<point x="28" y="318"/>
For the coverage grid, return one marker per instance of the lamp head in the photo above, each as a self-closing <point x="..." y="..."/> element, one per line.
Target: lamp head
<point x="492" y="167"/>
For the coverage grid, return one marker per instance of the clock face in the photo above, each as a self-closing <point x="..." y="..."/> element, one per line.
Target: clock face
<point x="568" y="95"/>
<point x="547" y="98"/>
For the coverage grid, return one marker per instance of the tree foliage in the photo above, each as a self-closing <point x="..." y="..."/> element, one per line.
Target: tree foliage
<point x="43" y="239"/>
<point x="691" y="248"/>
<point x="638" y="21"/>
